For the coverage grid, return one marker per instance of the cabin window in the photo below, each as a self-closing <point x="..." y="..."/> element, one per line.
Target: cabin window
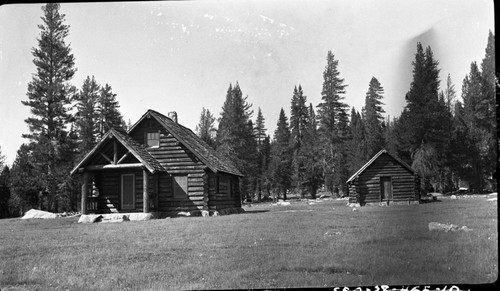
<point x="153" y="139"/>
<point x="224" y="186"/>
<point x="180" y="185"/>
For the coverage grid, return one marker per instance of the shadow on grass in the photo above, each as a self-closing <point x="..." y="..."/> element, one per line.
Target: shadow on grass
<point x="423" y="201"/>
<point x="255" y="211"/>
<point x="322" y="269"/>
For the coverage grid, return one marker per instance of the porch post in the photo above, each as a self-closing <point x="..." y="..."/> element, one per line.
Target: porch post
<point x="85" y="191"/>
<point x="145" y="195"/>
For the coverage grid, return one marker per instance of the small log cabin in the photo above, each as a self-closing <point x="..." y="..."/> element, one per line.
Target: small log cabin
<point x="156" y="166"/>
<point x="384" y="179"/>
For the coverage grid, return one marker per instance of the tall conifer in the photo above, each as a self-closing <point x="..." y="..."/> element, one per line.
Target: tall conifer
<point x="49" y="96"/>
<point x="108" y="111"/>
<point x="281" y="161"/>
<point x="333" y="125"/>
<point x="235" y="137"/>
<point x="373" y="118"/>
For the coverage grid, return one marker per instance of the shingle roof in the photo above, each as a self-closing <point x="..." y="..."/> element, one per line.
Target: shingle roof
<point x="210" y="157"/>
<point x="137" y="150"/>
<point x="383" y="151"/>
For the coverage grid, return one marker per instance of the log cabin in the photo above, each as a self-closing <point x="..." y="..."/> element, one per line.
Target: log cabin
<point x="157" y="166"/>
<point x="384" y="179"/>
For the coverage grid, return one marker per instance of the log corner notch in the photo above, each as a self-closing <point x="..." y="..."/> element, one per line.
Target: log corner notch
<point x="145" y="193"/>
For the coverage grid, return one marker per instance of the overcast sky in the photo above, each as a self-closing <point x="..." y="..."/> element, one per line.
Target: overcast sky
<point x="181" y="56"/>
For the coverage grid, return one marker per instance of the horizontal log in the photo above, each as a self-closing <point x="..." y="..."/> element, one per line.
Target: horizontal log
<point x="195" y="189"/>
<point x="120" y="166"/>
<point x="185" y="171"/>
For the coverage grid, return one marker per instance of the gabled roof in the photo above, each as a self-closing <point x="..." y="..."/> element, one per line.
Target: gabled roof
<point x="137" y="150"/>
<point x="205" y="153"/>
<point x="375" y="157"/>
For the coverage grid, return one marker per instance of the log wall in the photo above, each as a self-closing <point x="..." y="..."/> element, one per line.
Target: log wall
<point x="405" y="185"/>
<point x="178" y="160"/>
<point x="223" y="192"/>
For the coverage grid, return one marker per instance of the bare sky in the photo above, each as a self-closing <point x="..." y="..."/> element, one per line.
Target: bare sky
<point x="181" y="56"/>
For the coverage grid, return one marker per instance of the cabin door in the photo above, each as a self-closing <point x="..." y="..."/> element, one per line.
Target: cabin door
<point x="385" y="189"/>
<point x="128" y="191"/>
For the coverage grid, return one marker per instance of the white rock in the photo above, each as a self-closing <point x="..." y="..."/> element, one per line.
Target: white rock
<point x="466" y="229"/>
<point x="453" y="197"/>
<point x="35" y="213"/>
<point x="436" y="226"/>
<point x="205" y="213"/>
<point x="140" y="216"/>
<point x="216" y="213"/>
<point x="184" y="213"/>
<point x="89" y="218"/>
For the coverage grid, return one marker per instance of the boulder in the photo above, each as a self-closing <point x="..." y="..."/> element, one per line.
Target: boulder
<point x="115" y="218"/>
<point x="436" y="226"/>
<point x="466" y="229"/>
<point x="140" y="216"/>
<point x="35" y="213"/>
<point x="89" y="218"/>
<point x="205" y="213"/>
<point x="453" y="197"/>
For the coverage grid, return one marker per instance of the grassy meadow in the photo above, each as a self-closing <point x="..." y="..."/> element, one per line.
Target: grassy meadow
<point x="301" y="245"/>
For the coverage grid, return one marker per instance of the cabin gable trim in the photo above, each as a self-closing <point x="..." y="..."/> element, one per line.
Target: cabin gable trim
<point x="373" y="159"/>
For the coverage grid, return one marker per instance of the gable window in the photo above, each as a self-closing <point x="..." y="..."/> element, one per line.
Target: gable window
<point x="180" y="186"/>
<point x="153" y="139"/>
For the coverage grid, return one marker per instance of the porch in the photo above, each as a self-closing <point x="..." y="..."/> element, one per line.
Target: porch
<point x="121" y="190"/>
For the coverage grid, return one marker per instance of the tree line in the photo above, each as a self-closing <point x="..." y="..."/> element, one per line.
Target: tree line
<point x="450" y="143"/>
<point x="446" y="141"/>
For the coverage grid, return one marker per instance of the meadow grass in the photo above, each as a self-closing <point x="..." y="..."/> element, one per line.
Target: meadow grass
<point x="301" y="245"/>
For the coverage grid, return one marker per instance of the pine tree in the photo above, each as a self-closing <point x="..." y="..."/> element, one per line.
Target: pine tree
<point x="313" y="170"/>
<point x="333" y="123"/>
<point x="357" y="153"/>
<point x="4" y="187"/>
<point x="489" y="83"/>
<point x="49" y="97"/>
<point x="298" y="125"/>
<point x="373" y="118"/>
<point x="235" y="137"/>
<point x="87" y="117"/>
<point x="450" y="94"/>
<point x="205" y="128"/>
<point x="260" y="128"/>
<point x="423" y="126"/>
<point x="265" y="181"/>
<point x="108" y="111"/>
<point x="281" y="161"/>
<point x="422" y="99"/>
<point x="263" y="152"/>
<point x="25" y="184"/>
<point x="2" y="159"/>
